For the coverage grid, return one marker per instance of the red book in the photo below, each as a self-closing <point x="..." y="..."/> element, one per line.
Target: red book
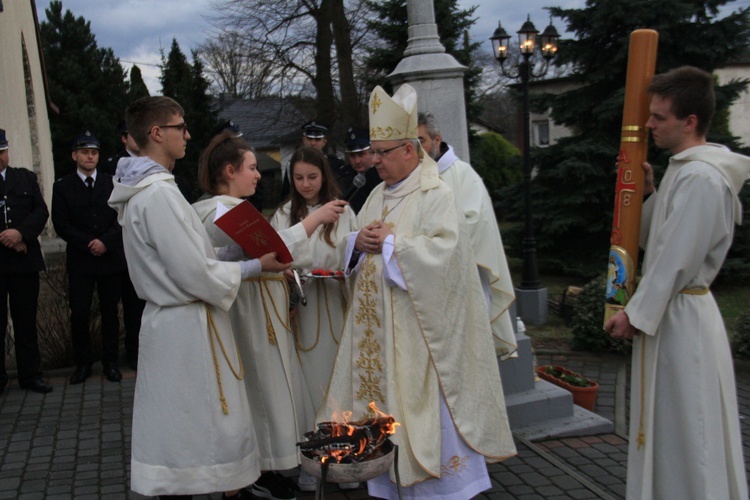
<point x="246" y="226"/>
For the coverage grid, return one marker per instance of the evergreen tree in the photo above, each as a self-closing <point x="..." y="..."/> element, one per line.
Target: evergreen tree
<point x="497" y="162"/>
<point x="573" y="191"/>
<point x="391" y="26"/>
<point x="87" y="83"/>
<point x="187" y="84"/>
<point x="136" y="87"/>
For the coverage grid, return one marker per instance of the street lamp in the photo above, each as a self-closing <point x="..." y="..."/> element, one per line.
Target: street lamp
<point x="528" y="67"/>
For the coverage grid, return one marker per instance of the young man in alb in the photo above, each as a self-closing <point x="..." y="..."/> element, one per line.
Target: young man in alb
<point x="685" y="439"/>
<point x="190" y="412"/>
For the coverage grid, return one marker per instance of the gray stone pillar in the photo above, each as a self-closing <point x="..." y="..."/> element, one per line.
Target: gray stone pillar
<point x="436" y="76"/>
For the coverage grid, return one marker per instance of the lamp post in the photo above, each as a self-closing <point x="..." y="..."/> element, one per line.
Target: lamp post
<point x="528" y="67"/>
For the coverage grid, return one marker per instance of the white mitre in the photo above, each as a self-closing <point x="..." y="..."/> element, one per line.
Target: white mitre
<point x="393" y="118"/>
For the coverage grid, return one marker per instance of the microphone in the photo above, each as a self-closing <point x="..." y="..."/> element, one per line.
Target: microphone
<point x="358" y="181"/>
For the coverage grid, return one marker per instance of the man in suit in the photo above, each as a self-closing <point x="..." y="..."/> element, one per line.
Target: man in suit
<point x="95" y="257"/>
<point x="23" y="215"/>
<point x="132" y="305"/>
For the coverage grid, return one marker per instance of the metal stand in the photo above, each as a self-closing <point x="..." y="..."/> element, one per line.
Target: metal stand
<point x="395" y="470"/>
<point x="320" y="493"/>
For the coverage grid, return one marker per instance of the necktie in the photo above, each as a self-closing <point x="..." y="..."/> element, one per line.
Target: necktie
<point x="4" y="215"/>
<point x="89" y="186"/>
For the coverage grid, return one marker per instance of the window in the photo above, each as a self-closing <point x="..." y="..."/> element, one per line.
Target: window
<point x="541" y="133"/>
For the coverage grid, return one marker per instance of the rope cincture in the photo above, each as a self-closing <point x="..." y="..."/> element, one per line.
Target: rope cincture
<point x="262" y="283"/>
<point x="695" y="291"/>
<point x="320" y="285"/>
<point x="214" y="332"/>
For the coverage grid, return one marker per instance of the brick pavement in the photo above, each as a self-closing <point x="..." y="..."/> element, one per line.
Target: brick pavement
<point x="75" y="442"/>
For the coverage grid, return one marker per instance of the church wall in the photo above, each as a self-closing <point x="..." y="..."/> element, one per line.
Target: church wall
<point x="23" y="104"/>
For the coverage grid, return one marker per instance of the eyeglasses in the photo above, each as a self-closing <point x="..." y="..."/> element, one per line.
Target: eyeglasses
<point x="382" y="152"/>
<point x="182" y="127"/>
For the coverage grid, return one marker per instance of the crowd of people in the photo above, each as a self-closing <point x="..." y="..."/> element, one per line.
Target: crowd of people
<point x="233" y="368"/>
<point x="192" y="297"/>
<point x="272" y="359"/>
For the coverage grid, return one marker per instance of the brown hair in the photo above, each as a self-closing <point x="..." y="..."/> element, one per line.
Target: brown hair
<point x="224" y="149"/>
<point x="691" y="91"/>
<point x="329" y="190"/>
<point x="148" y="111"/>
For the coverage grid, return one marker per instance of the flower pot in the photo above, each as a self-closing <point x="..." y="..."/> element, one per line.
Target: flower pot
<point x="584" y="397"/>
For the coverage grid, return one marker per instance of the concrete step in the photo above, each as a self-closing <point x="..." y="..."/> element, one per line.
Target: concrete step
<point x="548" y="412"/>
<point x="544" y="402"/>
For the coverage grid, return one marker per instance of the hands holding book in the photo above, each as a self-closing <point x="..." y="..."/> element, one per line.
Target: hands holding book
<point x="270" y="263"/>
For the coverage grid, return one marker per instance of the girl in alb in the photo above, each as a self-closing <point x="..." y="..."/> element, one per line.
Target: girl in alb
<point x="280" y="403"/>
<point x="317" y="325"/>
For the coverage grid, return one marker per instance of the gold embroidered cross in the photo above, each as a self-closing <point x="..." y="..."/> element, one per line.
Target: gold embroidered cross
<point x="375" y="102"/>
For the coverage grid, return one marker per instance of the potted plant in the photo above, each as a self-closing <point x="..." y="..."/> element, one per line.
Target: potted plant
<point x="583" y="389"/>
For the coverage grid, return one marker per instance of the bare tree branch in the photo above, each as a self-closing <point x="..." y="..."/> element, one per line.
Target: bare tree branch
<point x="307" y="47"/>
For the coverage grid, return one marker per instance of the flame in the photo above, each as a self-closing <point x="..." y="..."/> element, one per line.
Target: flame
<point x="341" y="425"/>
<point x="390" y="423"/>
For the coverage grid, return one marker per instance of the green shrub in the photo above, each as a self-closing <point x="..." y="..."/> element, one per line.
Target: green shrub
<point x="497" y="162"/>
<point x="571" y="378"/>
<point x="741" y="336"/>
<point x="588" y="320"/>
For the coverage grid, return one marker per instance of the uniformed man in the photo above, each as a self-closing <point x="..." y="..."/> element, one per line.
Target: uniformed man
<point x="132" y="305"/>
<point x="23" y="215"/>
<point x="315" y="134"/>
<point x="129" y="148"/>
<point x="95" y="256"/>
<point x="358" y="152"/>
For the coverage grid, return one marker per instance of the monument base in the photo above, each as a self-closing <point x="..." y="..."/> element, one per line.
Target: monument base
<point x="532" y="305"/>
<point x="540" y="410"/>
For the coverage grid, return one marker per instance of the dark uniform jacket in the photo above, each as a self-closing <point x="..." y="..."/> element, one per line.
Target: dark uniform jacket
<point x="372" y="179"/>
<point x="109" y="165"/>
<point x="342" y="172"/>
<point x="78" y="220"/>
<point x="26" y="212"/>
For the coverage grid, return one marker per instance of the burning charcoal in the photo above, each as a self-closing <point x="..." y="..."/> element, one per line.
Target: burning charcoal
<point x="349" y="442"/>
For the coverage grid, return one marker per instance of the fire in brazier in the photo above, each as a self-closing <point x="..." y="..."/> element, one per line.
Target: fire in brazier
<point x="348" y="442"/>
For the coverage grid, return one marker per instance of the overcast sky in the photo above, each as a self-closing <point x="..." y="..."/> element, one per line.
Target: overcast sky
<point x="136" y="29"/>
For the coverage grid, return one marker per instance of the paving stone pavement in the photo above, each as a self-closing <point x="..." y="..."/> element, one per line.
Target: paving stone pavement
<point x="75" y="442"/>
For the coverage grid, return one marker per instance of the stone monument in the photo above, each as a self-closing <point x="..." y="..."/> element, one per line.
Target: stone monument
<point x="436" y="76"/>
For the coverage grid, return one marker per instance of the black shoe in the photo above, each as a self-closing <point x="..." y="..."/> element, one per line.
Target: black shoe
<point x="133" y="363"/>
<point x="243" y="494"/>
<point x="82" y="373"/>
<point x="110" y="370"/>
<point x="274" y="486"/>
<point x="36" y="385"/>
